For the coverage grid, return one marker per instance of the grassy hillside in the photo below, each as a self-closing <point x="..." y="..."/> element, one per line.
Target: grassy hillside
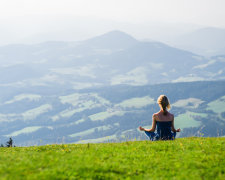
<point x="184" y="158"/>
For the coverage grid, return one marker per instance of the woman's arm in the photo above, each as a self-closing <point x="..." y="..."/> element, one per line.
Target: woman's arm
<point x="173" y="128"/>
<point x="153" y="125"/>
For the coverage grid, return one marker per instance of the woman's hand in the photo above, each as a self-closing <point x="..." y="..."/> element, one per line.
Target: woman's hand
<point x="178" y="130"/>
<point x="141" y="128"/>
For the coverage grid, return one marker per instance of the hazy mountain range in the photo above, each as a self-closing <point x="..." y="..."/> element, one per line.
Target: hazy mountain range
<point x="109" y="59"/>
<point x="205" y="41"/>
<point x="103" y="88"/>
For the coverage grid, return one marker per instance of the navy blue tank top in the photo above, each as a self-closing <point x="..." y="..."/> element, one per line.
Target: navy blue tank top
<point x="164" y="130"/>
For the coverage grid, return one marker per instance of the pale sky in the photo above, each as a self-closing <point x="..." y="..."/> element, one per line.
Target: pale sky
<point x="32" y="21"/>
<point x="203" y="12"/>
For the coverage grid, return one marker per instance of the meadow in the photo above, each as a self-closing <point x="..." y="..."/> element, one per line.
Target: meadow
<point x="184" y="158"/>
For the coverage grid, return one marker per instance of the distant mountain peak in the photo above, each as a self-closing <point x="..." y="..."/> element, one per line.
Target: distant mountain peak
<point x="118" y="34"/>
<point x="114" y="39"/>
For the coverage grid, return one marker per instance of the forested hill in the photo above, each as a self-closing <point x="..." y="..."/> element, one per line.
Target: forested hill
<point x="110" y="113"/>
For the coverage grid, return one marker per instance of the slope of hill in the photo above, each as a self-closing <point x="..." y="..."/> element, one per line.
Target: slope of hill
<point x="109" y="59"/>
<point x="110" y="113"/>
<point x="44" y="96"/>
<point x="206" y="41"/>
<point x="184" y="158"/>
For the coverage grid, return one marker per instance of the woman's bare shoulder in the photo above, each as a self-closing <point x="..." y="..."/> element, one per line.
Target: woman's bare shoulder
<point x="171" y="115"/>
<point x="155" y="114"/>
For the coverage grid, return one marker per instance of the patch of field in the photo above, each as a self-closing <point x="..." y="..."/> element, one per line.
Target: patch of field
<point x="202" y="66"/>
<point x="71" y="99"/>
<point x="30" y="97"/>
<point x="33" y="113"/>
<point x="80" y="102"/>
<point x="98" y="140"/>
<point x="100" y="99"/>
<point x="79" y="121"/>
<point x="106" y="114"/>
<point x="188" y="103"/>
<point x="71" y="111"/>
<point x="199" y="58"/>
<point x="76" y="71"/>
<point x="135" y="77"/>
<point x="26" y="130"/>
<point x="187" y="120"/>
<point x="9" y="117"/>
<point x="90" y="131"/>
<point x="81" y="85"/>
<point x="67" y="113"/>
<point x="83" y="99"/>
<point x="116" y="124"/>
<point x="136" y="102"/>
<point x="217" y="106"/>
<point x="188" y="79"/>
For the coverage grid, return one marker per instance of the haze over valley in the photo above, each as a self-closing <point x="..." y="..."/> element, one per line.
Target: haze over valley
<point x="77" y="78"/>
<point x="102" y="88"/>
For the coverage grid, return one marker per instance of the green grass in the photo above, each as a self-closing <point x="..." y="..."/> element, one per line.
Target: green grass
<point x="186" y="158"/>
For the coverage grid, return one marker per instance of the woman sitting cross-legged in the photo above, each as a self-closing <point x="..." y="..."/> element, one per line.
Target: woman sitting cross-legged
<point x="164" y="121"/>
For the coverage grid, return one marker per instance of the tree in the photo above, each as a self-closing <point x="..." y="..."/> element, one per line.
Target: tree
<point x="9" y="143"/>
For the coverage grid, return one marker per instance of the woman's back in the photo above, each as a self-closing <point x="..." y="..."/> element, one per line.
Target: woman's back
<point x="163" y="121"/>
<point x="164" y="124"/>
<point x="160" y="116"/>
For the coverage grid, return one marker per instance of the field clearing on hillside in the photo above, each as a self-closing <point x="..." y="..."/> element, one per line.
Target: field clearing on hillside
<point x="82" y="98"/>
<point x="188" y="103"/>
<point x="136" y="102"/>
<point x="90" y="131"/>
<point x="218" y="105"/>
<point x="184" y="158"/>
<point x="25" y="130"/>
<point x="187" y="120"/>
<point x="20" y="97"/>
<point x="106" y="114"/>
<point x="34" y="113"/>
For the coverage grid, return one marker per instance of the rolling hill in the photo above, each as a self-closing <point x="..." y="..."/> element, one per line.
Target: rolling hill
<point x="110" y="59"/>
<point x="205" y="41"/>
<point x="103" y="88"/>
<point x="110" y="113"/>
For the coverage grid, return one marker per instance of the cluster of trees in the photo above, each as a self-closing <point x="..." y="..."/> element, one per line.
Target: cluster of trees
<point x="9" y="143"/>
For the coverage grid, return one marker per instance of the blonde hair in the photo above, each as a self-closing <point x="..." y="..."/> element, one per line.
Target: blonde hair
<point x="163" y="103"/>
